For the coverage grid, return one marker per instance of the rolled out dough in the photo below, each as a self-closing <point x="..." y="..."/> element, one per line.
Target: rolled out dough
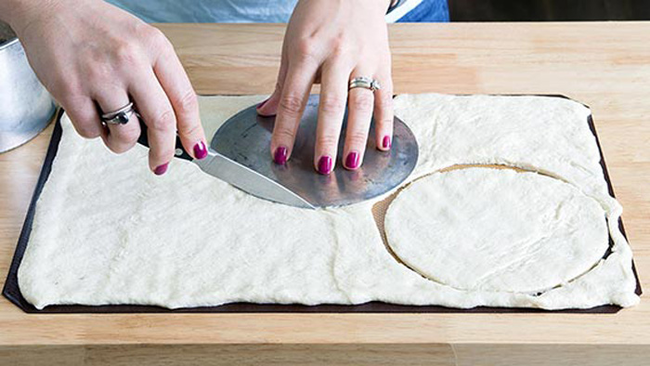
<point x="496" y="230"/>
<point x="107" y="231"/>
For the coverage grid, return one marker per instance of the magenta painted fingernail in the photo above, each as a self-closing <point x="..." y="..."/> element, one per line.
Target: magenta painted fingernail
<point x="262" y="104"/>
<point x="325" y="164"/>
<point x="385" y="143"/>
<point x="352" y="160"/>
<point x="200" y="151"/>
<point x="161" y="169"/>
<point x="280" y="155"/>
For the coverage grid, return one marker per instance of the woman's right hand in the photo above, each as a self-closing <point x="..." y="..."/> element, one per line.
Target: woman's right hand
<point x="90" y="55"/>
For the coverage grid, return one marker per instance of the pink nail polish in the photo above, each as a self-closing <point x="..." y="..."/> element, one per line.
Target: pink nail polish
<point x="325" y="164"/>
<point x="280" y="155"/>
<point x="200" y="151"/>
<point x="161" y="169"/>
<point x="385" y="143"/>
<point x="352" y="160"/>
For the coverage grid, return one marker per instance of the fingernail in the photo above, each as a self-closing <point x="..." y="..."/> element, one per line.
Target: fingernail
<point x="352" y="160"/>
<point x="259" y="106"/>
<point x="325" y="164"/>
<point x="161" y="169"/>
<point x="200" y="151"/>
<point x="280" y="155"/>
<point x="385" y="143"/>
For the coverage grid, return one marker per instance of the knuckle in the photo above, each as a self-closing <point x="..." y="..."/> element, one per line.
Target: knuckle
<point x="126" y="53"/>
<point x="165" y="121"/>
<point x="362" y="102"/>
<point x="121" y="139"/>
<point x="149" y="32"/>
<point x="157" y="37"/>
<point x="125" y="134"/>
<point x="305" y="50"/>
<point x="154" y="39"/>
<point x="187" y="103"/>
<point x="192" y="131"/>
<point x="67" y="91"/>
<point x="340" y="50"/>
<point x="283" y="133"/>
<point x="327" y="140"/>
<point x="356" y="138"/>
<point x="332" y="104"/>
<point x="86" y="129"/>
<point x="291" y="104"/>
<point x="99" y="74"/>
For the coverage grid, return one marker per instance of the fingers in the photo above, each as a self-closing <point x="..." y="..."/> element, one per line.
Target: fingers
<point x="331" y="110"/>
<point x="362" y="104"/>
<point x="119" y="138"/>
<point x="291" y="104"/>
<point x="269" y="107"/>
<point x="384" y="115"/>
<point x="158" y="114"/>
<point x="360" y="107"/>
<point x="84" y="116"/>
<point x="176" y="85"/>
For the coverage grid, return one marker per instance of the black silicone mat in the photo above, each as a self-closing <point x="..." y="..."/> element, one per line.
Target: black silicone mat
<point x="12" y="292"/>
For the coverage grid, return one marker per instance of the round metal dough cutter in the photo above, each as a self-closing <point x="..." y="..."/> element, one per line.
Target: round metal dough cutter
<point x="246" y="138"/>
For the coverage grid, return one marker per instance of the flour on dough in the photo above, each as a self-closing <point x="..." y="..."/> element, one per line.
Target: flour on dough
<point x="107" y="231"/>
<point x="496" y="229"/>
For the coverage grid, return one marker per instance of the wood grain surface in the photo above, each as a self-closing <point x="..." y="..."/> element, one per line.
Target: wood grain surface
<point x="604" y="65"/>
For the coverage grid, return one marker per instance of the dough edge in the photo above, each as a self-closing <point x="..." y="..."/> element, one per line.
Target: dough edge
<point x="610" y="282"/>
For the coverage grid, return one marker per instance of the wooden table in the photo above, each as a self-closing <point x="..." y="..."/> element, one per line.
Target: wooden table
<point x="605" y="65"/>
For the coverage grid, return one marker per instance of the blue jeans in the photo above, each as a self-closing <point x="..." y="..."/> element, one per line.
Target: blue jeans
<point x="428" y="11"/>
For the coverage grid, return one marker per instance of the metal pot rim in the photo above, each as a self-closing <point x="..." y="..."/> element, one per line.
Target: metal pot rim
<point x="8" y="43"/>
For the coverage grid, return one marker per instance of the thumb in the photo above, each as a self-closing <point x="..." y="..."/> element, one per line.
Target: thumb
<point x="269" y="107"/>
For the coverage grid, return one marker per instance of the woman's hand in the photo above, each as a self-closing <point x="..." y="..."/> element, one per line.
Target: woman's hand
<point x="332" y="42"/>
<point x="90" y="54"/>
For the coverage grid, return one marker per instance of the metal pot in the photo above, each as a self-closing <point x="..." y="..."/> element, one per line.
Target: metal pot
<point x="26" y="108"/>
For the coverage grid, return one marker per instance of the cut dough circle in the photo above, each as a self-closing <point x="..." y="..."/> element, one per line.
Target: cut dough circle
<point x="496" y="230"/>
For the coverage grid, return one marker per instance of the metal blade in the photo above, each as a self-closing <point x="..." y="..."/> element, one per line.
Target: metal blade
<point x="249" y="180"/>
<point x="246" y="136"/>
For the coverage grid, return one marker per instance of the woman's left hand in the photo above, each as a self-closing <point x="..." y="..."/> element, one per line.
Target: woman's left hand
<point x="332" y="42"/>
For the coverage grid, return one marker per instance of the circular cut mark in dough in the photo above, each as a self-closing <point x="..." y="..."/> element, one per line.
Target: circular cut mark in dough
<point x="496" y="230"/>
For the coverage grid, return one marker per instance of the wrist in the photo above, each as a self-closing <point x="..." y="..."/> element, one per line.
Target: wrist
<point x="20" y="13"/>
<point x="383" y="5"/>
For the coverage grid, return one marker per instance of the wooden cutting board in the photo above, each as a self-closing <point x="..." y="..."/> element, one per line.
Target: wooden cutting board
<point x="604" y="65"/>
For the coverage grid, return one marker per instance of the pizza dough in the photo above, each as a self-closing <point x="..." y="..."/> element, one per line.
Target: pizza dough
<point x="496" y="230"/>
<point x="107" y="231"/>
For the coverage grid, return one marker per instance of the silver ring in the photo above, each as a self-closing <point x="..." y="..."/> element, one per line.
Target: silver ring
<point x="118" y="117"/>
<point x="364" y="82"/>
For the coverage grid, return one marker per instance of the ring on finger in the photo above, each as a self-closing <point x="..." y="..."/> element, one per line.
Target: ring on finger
<point x="120" y="116"/>
<point x="364" y="82"/>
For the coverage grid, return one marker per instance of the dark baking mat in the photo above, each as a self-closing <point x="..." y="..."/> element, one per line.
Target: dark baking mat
<point x="12" y="292"/>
